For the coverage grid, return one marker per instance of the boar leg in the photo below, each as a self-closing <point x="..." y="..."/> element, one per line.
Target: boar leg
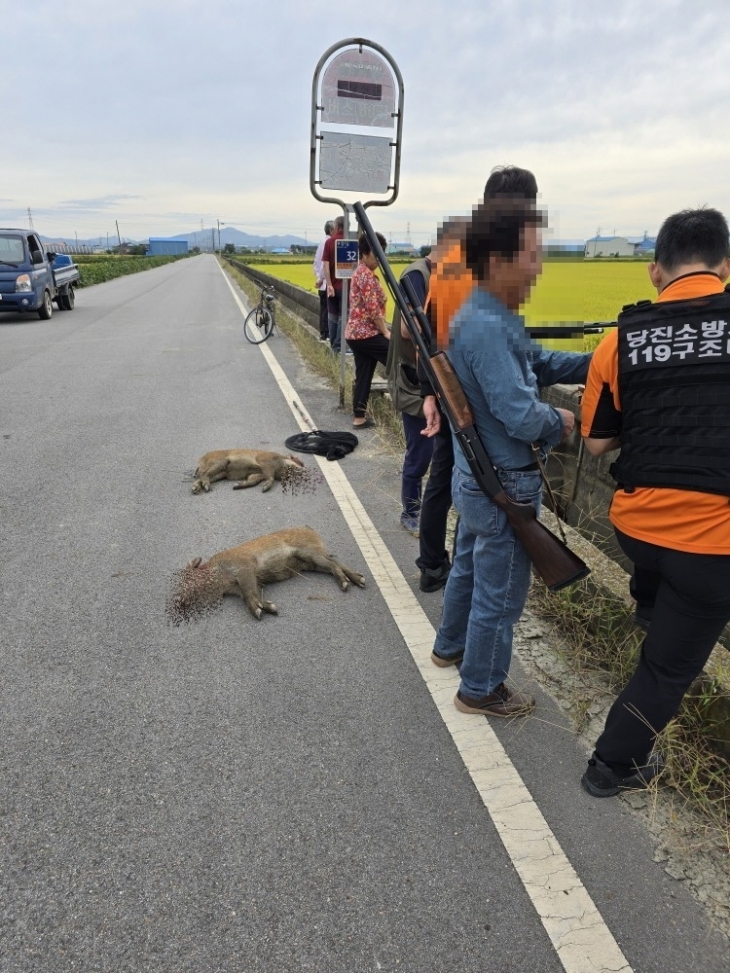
<point x="251" y="593"/>
<point x="216" y="471"/>
<point x="252" y="479"/>
<point x="330" y="565"/>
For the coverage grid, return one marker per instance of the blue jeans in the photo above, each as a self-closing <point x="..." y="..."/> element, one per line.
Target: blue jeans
<point x="488" y="583"/>
<point x="334" y="319"/>
<point x="333" y="323"/>
<point x="419" y="450"/>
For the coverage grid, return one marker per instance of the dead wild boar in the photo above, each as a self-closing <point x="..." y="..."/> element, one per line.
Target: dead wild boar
<point x="246" y="466"/>
<point x="243" y="571"/>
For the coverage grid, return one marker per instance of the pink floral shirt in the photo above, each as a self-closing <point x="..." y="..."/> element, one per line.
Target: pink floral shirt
<point x="367" y="302"/>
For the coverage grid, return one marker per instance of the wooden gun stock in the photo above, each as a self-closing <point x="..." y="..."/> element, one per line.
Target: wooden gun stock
<point x="451" y="394"/>
<point x="553" y="560"/>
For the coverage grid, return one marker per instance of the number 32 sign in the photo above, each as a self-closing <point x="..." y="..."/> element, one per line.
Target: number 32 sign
<point x="346" y="258"/>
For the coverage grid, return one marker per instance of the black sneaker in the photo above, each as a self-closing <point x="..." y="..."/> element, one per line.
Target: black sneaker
<point x="600" y="781"/>
<point x="434" y="578"/>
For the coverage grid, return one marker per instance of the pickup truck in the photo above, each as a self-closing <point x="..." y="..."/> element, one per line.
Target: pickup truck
<point x="31" y="278"/>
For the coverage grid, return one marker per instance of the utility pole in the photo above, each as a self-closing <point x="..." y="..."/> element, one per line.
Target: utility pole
<point x="219" y="235"/>
<point x="30" y="219"/>
<point x="118" y="236"/>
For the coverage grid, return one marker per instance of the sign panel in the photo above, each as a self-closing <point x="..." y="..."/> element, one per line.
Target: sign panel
<point x="358" y="89"/>
<point x="359" y="163"/>
<point x="357" y="123"/>
<point x="346" y="258"/>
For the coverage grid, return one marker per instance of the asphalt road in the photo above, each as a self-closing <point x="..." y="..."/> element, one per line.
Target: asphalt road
<point x="234" y="796"/>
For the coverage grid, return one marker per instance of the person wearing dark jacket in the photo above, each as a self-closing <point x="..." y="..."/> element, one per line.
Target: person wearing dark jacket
<point x="405" y="394"/>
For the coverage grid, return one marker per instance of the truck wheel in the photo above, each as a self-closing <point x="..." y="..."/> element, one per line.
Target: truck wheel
<point x="70" y="299"/>
<point x="45" y="311"/>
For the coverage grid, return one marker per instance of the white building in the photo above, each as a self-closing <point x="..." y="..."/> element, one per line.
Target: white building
<point x="609" y="246"/>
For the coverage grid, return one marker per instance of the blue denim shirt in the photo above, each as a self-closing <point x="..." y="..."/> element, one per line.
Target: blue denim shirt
<point x="501" y="370"/>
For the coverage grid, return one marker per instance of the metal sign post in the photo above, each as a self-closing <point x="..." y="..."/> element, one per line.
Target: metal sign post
<point x="357" y="122"/>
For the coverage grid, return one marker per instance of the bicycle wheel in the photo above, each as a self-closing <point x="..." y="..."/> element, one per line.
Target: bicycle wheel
<point x="258" y="325"/>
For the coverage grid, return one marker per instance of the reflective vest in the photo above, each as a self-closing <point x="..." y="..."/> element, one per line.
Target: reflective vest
<point x="674" y="386"/>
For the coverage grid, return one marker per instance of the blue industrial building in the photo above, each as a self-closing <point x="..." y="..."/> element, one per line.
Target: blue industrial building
<point x="161" y="246"/>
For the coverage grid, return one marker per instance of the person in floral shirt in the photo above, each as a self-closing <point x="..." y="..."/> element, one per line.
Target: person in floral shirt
<point x="366" y="332"/>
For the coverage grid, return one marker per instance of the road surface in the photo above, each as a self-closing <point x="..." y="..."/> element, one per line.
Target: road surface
<point x="299" y="793"/>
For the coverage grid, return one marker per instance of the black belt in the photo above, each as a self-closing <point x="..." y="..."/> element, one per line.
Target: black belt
<point x="530" y="468"/>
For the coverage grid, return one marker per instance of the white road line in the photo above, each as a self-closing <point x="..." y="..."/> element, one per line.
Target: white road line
<point x="580" y="936"/>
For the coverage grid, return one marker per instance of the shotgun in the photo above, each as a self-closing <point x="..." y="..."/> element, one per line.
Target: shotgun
<point x="553" y="560"/>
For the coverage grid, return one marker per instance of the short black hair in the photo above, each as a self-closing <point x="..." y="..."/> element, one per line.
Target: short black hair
<point x="363" y="244"/>
<point x="511" y="181"/>
<point x="496" y="227"/>
<point x="692" y="236"/>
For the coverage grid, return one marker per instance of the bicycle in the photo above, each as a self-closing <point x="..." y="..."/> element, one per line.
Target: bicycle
<point x="259" y="323"/>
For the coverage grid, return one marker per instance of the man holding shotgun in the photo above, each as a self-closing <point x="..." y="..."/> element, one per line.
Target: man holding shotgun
<point x="500" y="370"/>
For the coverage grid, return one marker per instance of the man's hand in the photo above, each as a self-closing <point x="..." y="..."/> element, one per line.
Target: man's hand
<point x="568" y="422"/>
<point x="433" y="416"/>
<point x="330" y="290"/>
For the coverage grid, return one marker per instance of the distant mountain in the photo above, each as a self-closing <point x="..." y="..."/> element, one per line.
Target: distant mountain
<point x="196" y="238"/>
<point x="229" y="234"/>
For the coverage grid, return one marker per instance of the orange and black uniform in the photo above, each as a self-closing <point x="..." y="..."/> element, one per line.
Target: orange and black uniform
<point x="677" y="536"/>
<point x="449" y="286"/>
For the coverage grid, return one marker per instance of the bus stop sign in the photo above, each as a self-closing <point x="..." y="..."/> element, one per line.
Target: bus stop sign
<point x="357" y="114"/>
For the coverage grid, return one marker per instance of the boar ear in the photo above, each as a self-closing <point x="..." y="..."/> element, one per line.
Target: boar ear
<point x="196" y="562"/>
<point x="295" y="459"/>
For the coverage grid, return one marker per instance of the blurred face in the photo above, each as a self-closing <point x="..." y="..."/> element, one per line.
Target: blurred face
<point x="512" y="280"/>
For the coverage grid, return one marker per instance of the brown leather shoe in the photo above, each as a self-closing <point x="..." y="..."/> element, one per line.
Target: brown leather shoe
<point x="502" y="702"/>
<point x="443" y="661"/>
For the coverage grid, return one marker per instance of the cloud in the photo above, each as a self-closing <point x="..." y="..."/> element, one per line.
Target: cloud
<point x="619" y="109"/>
<point x="96" y="203"/>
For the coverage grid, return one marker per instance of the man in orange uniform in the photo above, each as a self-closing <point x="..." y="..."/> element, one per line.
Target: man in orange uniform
<point x="659" y="387"/>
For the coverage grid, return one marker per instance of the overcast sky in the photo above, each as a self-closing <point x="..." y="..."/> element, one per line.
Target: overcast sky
<point x="164" y="113"/>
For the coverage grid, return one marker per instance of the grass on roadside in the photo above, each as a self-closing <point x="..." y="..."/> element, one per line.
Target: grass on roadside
<point x="600" y="635"/>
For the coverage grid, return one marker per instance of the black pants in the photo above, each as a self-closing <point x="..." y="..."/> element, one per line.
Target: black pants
<point x="691" y="609"/>
<point x="367" y="352"/>
<point x="436" y="502"/>
<point x="324" y="329"/>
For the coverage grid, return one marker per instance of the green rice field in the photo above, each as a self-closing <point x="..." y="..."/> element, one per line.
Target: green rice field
<point x="566" y="291"/>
